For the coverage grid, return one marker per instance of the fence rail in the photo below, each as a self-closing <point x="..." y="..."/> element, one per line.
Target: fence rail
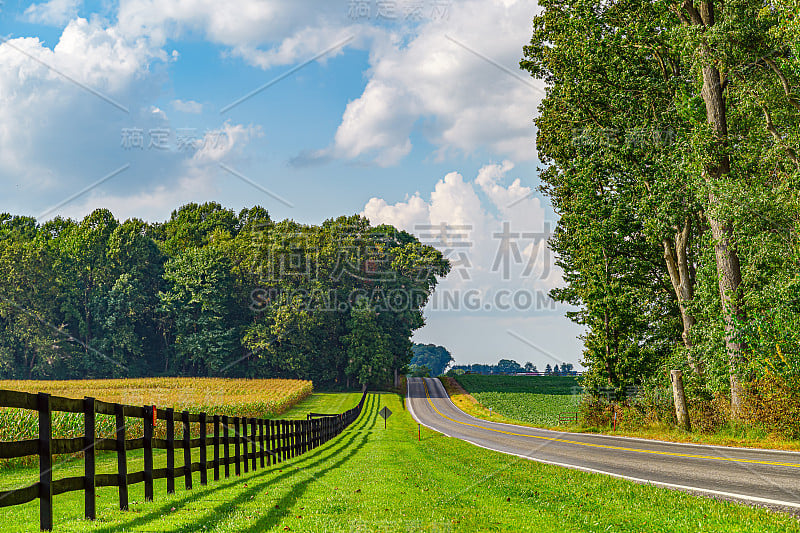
<point x="256" y="441"/>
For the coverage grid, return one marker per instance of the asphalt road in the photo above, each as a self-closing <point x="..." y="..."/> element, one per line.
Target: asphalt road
<point x="761" y="477"/>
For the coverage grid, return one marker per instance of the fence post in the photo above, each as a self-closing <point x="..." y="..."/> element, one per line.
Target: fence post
<point x="227" y="442"/>
<point x="149" y="412"/>
<point x="285" y="440"/>
<point x="237" y="465"/>
<point x="254" y="438"/>
<point x="290" y="434"/>
<point x="45" y="462"/>
<point x="293" y="436"/>
<point x="170" y="450"/>
<point x="299" y="441"/>
<point x="187" y="451"/>
<point x="122" y="458"/>
<point x="270" y="446"/>
<point x="89" y="493"/>
<point x="261" y="440"/>
<point x="278" y="435"/>
<point x="203" y="444"/>
<point x="244" y="445"/>
<point x="216" y="447"/>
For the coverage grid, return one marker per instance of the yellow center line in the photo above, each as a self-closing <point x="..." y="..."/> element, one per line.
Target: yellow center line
<point x="621" y="448"/>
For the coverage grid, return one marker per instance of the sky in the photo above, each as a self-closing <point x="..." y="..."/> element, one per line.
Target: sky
<point x="410" y="112"/>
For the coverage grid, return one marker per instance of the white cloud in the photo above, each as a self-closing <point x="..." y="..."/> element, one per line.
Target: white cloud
<point x="471" y="97"/>
<point x="492" y="244"/>
<point x="264" y="33"/>
<point x="66" y="101"/>
<point x="221" y="143"/>
<point x="65" y="111"/>
<point x="461" y="98"/>
<point x="53" y="13"/>
<point x="187" y="106"/>
<point x="511" y="275"/>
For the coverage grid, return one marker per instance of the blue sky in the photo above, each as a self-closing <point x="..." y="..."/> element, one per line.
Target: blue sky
<point x="411" y="112"/>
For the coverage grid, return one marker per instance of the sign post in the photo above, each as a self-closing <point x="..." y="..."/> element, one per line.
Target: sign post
<point x="385" y="413"/>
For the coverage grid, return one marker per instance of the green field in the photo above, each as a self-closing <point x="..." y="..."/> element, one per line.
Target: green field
<point x="322" y="402"/>
<point x="536" y="400"/>
<point x="371" y="479"/>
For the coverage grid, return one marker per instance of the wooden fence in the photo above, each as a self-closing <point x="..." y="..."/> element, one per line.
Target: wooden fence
<point x="263" y="442"/>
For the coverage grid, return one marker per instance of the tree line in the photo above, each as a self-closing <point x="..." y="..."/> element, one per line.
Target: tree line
<point x="509" y="366"/>
<point x="670" y="136"/>
<point x="210" y="292"/>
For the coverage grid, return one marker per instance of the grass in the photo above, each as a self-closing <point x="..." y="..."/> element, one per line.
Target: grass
<point x="546" y="396"/>
<point x="371" y="479"/>
<point x="322" y="402"/>
<point x="533" y="400"/>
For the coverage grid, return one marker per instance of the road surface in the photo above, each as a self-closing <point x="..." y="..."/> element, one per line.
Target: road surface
<point x="762" y="477"/>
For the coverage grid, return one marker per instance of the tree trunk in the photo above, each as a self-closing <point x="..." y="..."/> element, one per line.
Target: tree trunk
<point x="728" y="269"/>
<point x="730" y="278"/>
<point x="679" y="398"/>
<point x="681" y="274"/>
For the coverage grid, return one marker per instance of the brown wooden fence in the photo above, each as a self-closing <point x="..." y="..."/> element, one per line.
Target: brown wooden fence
<point x="263" y="442"/>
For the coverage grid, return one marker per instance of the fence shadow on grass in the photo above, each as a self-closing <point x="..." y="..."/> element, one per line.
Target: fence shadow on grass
<point x="278" y="441"/>
<point x="212" y="516"/>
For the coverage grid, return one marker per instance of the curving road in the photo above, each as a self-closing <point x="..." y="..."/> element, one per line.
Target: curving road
<point x="762" y="477"/>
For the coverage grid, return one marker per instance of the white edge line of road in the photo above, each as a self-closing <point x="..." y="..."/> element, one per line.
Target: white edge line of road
<point x="637" y="439"/>
<point x="612" y="474"/>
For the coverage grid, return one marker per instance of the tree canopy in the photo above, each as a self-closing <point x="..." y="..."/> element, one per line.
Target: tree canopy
<point x="210" y="293"/>
<point x="670" y="140"/>
<point x="435" y="358"/>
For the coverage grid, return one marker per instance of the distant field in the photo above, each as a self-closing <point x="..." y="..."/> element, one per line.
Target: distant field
<point x="265" y="398"/>
<point x="533" y="399"/>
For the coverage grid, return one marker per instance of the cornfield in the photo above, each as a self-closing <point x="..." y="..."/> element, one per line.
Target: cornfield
<point x="263" y="398"/>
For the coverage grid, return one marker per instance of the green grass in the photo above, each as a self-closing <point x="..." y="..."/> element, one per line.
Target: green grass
<point x="536" y="400"/>
<point x="322" y="402"/>
<point x="371" y="479"/>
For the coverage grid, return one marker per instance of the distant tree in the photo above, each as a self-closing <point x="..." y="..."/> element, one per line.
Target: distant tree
<point x="556" y="371"/>
<point x="435" y="358"/>
<point x="548" y="370"/>
<point x="529" y="367"/>
<point x="508" y="366"/>
<point x="419" y="371"/>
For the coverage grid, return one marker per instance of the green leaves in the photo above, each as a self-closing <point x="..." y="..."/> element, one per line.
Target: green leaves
<point x="661" y="123"/>
<point x="210" y="293"/>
